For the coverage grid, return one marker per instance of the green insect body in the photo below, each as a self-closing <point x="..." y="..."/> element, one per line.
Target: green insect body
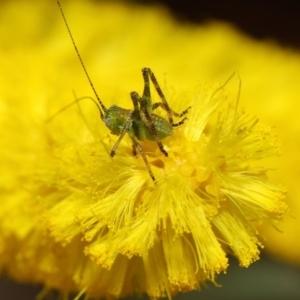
<point x="140" y="122"/>
<point x="115" y="119"/>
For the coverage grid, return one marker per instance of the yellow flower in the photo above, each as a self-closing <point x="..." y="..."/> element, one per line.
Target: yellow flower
<point x="77" y="220"/>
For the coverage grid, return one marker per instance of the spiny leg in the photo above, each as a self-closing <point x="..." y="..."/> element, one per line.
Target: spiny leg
<point x="162" y="105"/>
<point x="137" y="145"/>
<point x="146" y="118"/>
<point x="146" y="97"/>
<point x="125" y="129"/>
<point x="135" y="115"/>
<point x="146" y="73"/>
<point x="179" y="123"/>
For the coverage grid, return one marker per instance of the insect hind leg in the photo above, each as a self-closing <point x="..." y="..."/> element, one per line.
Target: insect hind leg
<point x="164" y="104"/>
<point x="148" y="73"/>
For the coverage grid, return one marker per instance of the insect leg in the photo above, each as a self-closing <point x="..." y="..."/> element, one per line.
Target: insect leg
<point x="125" y="129"/>
<point x="160" y="104"/>
<point x="146" y="98"/>
<point x="146" y="118"/>
<point x="137" y="145"/>
<point x="146" y="73"/>
<point x="179" y="123"/>
<point x="136" y="113"/>
<point x="135" y="117"/>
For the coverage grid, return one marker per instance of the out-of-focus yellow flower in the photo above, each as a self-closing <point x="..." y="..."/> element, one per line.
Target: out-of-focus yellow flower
<point x="77" y="220"/>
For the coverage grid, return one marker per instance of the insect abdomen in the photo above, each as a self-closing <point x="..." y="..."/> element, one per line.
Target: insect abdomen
<point x="162" y="126"/>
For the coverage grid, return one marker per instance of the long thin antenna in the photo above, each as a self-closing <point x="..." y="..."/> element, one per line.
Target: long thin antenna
<point x="72" y="103"/>
<point x="81" y="61"/>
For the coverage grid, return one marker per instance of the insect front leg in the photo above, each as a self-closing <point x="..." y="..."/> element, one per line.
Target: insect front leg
<point x="126" y="128"/>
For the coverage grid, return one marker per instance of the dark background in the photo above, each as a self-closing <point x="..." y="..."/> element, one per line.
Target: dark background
<point x="261" y="19"/>
<point x="266" y="279"/>
<point x="276" y="20"/>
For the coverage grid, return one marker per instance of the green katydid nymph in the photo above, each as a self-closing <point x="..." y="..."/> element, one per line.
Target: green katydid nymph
<point x="140" y="122"/>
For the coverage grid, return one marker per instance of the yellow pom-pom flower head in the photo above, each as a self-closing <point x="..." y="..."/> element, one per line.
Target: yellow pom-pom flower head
<point x="176" y="234"/>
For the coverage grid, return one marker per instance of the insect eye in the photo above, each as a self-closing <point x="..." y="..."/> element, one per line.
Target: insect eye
<point x="107" y="122"/>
